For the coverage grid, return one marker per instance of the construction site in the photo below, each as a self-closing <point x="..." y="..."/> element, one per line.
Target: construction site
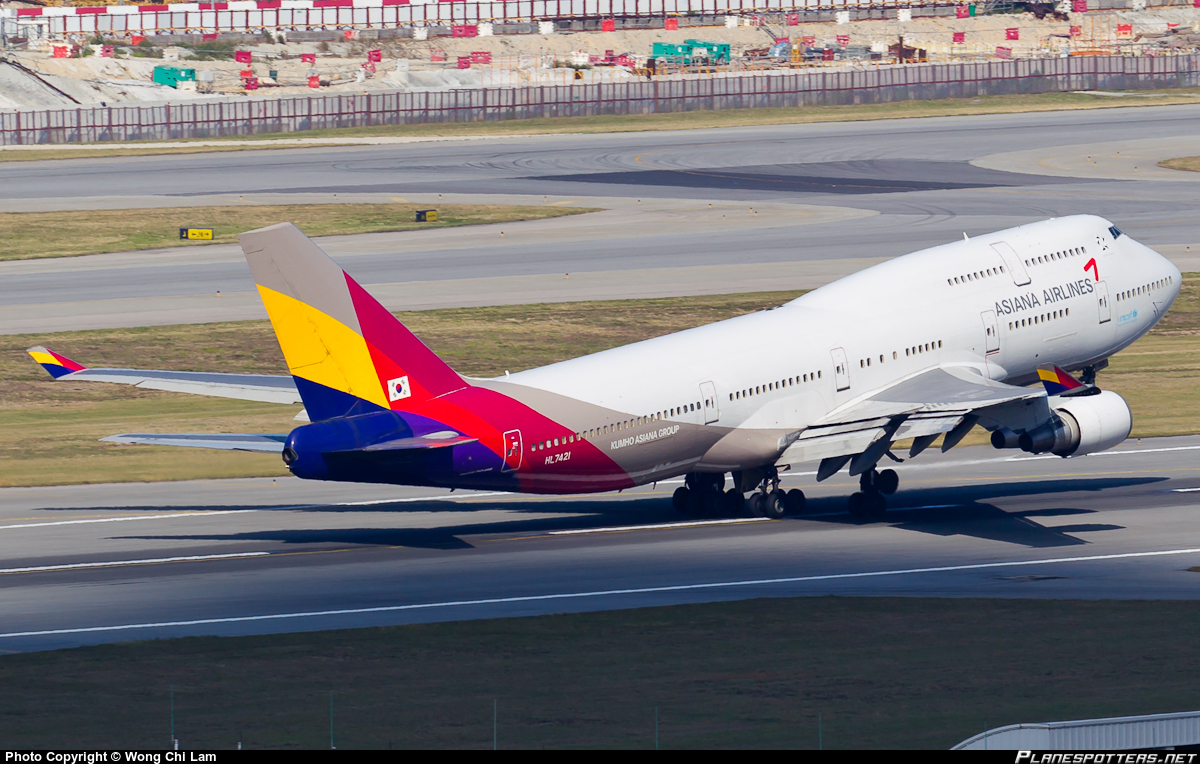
<point x="64" y="56"/>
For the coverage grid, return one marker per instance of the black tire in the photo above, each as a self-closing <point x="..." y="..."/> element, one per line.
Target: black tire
<point x="796" y="502"/>
<point x="734" y="503"/>
<point x="708" y="502"/>
<point x="876" y="505"/>
<point x="754" y="505"/>
<point x="774" y="504"/>
<point x="682" y="499"/>
<point x="887" y="482"/>
<point x="857" y="504"/>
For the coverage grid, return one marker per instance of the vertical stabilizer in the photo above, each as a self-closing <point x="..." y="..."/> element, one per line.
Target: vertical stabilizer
<point x="347" y="353"/>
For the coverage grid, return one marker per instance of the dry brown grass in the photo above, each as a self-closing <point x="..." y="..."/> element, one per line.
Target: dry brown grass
<point x="1190" y="164"/>
<point x="86" y="232"/>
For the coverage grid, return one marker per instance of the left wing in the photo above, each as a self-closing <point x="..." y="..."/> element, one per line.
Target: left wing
<point x="947" y="400"/>
<point x="265" y="388"/>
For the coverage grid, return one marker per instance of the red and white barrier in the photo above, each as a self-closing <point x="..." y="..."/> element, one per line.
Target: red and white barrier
<point x="209" y="18"/>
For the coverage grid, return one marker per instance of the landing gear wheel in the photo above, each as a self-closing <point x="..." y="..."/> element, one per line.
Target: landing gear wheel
<point x="857" y="504"/>
<point x="682" y="500"/>
<point x="876" y="505"/>
<point x="733" y="503"/>
<point x="708" y="503"/>
<point x="774" y="504"/>
<point x="887" y="482"/>
<point x="755" y="504"/>
<point x="795" y="503"/>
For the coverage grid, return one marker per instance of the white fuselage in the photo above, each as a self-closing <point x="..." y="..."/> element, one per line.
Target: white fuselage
<point x="1087" y="294"/>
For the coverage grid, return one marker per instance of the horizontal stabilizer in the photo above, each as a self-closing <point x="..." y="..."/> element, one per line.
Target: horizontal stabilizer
<point x="238" y="441"/>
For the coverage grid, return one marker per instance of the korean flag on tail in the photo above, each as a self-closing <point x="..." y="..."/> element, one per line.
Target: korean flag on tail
<point x="398" y="388"/>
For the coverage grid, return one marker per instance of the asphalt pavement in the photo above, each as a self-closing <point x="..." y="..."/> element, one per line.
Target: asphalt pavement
<point x="792" y="206"/>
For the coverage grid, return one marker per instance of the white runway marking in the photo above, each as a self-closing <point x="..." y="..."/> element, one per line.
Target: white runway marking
<point x="128" y="519"/>
<point x="414" y="498"/>
<point x="600" y="593"/>
<point x="657" y="526"/>
<point x="118" y="563"/>
<point x="1184" y="490"/>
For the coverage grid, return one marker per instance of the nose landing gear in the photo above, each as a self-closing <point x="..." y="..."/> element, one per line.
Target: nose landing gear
<point x="869" y="501"/>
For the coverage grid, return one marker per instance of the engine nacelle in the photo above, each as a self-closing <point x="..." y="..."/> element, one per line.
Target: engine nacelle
<point x="1082" y="425"/>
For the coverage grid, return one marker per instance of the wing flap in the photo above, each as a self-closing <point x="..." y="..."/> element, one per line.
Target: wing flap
<point x="241" y="441"/>
<point x="928" y="404"/>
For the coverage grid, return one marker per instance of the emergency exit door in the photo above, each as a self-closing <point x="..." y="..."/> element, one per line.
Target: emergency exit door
<point x="1102" y="302"/>
<point x="512" y="451"/>
<point x="708" y="392"/>
<point x="991" y="332"/>
<point x="841" y="370"/>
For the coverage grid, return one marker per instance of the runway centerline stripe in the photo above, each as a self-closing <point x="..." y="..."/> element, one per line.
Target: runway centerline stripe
<point x="657" y="526"/>
<point x="600" y="593"/>
<point x="120" y="563"/>
<point x="127" y="519"/>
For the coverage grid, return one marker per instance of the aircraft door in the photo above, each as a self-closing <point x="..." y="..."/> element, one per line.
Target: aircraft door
<point x="841" y="369"/>
<point x="1103" y="303"/>
<point x="1012" y="262"/>
<point x="991" y="332"/>
<point x="708" y="393"/>
<point x="512" y="451"/>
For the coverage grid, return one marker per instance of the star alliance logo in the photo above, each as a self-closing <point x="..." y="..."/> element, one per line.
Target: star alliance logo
<point x="398" y="388"/>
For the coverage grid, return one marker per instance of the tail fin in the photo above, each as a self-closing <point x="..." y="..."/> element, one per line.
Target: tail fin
<point x="347" y="353"/>
<point x="1057" y="381"/>
<point x="57" y="365"/>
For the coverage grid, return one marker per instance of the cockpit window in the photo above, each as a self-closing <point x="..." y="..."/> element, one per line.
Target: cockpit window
<point x="1116" y="232"/>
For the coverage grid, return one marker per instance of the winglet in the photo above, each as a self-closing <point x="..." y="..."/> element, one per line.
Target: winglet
<point x="1057" y="381"/>
<point x="57" y="365"/>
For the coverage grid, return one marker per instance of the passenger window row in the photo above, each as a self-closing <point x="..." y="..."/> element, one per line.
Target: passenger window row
<point x="609" y="429"/>
<point x="1055" y="256"/>
<point x="1159" y="284"/>
<point x="760" y="389"/>
<point x="976" y="276"/>
<point x="1035" y="320"/>
<point x="908" y="351"/>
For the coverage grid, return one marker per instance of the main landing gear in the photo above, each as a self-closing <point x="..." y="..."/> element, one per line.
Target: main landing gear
<point x="703" y="494"/>
<point x="869" y="501"/>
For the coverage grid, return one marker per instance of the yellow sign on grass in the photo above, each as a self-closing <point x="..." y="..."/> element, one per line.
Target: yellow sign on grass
<point x="195" y="233"/>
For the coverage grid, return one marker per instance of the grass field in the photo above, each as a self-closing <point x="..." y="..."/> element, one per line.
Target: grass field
<point x="49" y="430"/>
<point x="950" y="107"/>
<point x="1191" y="164"/>
<point x="86" y="232"/>
<point x="881" y="673"/>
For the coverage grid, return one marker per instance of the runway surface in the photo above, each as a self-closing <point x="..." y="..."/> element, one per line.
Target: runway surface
<point x="791" y="207"/>
<point x="92" y="564"/>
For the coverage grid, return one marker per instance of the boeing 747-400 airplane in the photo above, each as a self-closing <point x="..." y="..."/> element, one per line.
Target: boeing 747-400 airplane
<point x="923" y="346"/>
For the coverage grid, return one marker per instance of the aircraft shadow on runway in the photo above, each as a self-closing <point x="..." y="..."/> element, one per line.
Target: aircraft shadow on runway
<point x="950" y="511"/>
<point x="969" y="511"/>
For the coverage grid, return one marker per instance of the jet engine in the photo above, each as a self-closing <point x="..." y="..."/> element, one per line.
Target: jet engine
<point x="1081" y="425"/>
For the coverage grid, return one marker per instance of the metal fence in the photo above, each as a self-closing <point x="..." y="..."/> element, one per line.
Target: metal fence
<point x="206" y="119"/>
